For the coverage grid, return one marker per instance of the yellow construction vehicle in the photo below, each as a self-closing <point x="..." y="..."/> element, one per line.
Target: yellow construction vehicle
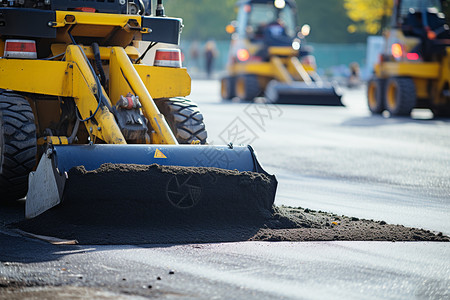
<point x="74" y="92"/>
<point x="414" y="70"/>
<point x="268" y="57"/>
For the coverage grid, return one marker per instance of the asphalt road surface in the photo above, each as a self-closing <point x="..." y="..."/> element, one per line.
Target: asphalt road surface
<point x="336" y="159"/>
<point x="342" y="159"/>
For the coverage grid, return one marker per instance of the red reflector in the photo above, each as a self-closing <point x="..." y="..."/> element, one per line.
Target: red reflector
<point x="168" y="58"/>
<point x="85" y="9"/>
<point x="20" y="49"/>
<point x="165" y="55"/>
<point x="412" y="56"/>
<point x="20" y="46"/>
<point x="255" y="58"/>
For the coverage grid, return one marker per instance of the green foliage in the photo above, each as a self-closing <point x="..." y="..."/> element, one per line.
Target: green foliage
<point x="206" y="19"/>
<point x="203" y="19"/>
<point x="328" y="21"/>
<point x="369" y="15"/>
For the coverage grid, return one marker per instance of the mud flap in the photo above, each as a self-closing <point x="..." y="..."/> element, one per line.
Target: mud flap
<point x="45" y="187"/>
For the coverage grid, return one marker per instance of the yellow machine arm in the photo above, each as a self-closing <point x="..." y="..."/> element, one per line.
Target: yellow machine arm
<point x="123" y="71"/>
<point x="90" y="108"/>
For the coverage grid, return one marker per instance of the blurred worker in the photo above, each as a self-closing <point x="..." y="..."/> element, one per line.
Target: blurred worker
<point x="275" y="34"/>
<point x="210" y="55"/>
<point x="194" y="54"/>
<point x="354" y="78"/>
<point x="276" y="28"/>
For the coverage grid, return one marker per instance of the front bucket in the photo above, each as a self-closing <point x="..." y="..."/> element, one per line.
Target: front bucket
<point x="303" y="94"/>
<point x="137" y="183"/>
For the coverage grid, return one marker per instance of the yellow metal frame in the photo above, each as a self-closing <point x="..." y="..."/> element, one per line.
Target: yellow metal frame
<point x="283" y="69"/>
<point x="93" y="19"/>
<point x="423" y="74"/>
<point x="55" y="78"/>
<point x="283" y="65"/>
<point x="37" y="76"/>
<point x="282" y="51"/>
<point x="99" y="25"/>
<point x="426" y="70"/>
<point x="73" y="78"/>
<point x="105" y="52"/>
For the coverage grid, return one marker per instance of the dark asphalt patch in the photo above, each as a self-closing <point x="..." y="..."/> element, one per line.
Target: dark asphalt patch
<point x="133" y="204"/>
<point x="286" y="224"/>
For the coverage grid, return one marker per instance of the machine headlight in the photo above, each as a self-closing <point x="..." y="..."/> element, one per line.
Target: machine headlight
<point x="243" y="55"/>
<point x="279" y="4"/>
<point x="296" y="44"/>
<point x="397" y="51"/>
<point x="306" y="29"/>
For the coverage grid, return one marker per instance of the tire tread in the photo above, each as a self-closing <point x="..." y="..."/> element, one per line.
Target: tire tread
<point x="406" y="96"/>
<point x="184" y="118"/>
<point x="17" y="145"/>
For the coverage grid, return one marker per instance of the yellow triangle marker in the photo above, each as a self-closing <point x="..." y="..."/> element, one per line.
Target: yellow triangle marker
<point x="159" y="154"/>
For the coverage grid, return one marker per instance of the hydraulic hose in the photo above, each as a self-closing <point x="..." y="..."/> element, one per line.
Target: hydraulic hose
<point x="98" y="63"/>
<point x="99" y="95"/>
<point x="142" y="7"/>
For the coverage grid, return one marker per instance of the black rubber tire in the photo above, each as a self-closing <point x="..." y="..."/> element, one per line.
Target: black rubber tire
<point x="247" y="87"/>
<point x="18" y="145"/>
<point x="184" y="118"/>
<point x="400" y="96"/>
<point x="227" y="88"/>
<point x="376" y="95"/>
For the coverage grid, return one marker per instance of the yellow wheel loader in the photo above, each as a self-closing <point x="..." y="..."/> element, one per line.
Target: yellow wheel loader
<point x="414" y="70"/>
<point x="268" y="57"/>
<point x="75" y="93"/>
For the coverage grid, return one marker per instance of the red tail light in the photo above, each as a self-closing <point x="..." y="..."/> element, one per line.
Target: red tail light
<point x="168" y="58"/>
<point x="20" y="49"/>
<point x="86" y="9"/>
<point x="412" y="56"/>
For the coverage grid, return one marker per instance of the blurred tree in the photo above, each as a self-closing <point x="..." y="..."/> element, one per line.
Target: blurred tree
<point x="370" y="15"/>
<point x="203" y="19"/>
<point x="328" y="20"/>
<point x="206" y="19"/>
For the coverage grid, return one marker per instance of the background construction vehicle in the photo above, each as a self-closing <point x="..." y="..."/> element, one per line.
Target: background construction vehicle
<point x="74" y="92"/>
<point x="414" y="70"/>
<point x="264" y="57"/>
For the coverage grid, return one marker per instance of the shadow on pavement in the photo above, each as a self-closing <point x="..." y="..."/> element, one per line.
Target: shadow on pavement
<point x="379" y="120"/>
